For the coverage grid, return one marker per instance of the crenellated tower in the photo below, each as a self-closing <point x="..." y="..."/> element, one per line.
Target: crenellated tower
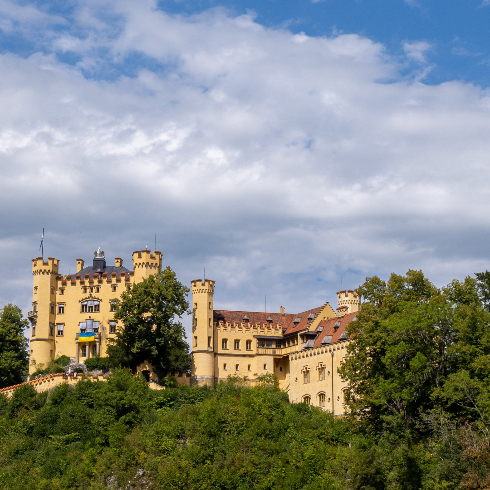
<point x="348" y="302"/>
<point x="42" y="316"/>
<point x="202" y="332"/>
<point x="146" y="264"/>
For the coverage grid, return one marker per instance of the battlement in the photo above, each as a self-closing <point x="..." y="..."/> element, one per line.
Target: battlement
<point x="348" y="301"/>
<point x="200" y="286"/>
<point x="146" y="259"/>
<point x="39" y="266"/>
<point x="96" y="278"/>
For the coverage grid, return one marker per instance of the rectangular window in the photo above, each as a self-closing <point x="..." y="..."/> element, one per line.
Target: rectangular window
<point x="195" y="341"/>
<point x="96" y="307"/>
<point x="94" y="350"/>
<point x="278" y="344"/>
<point x="59" y="330"/>
<point x="84" y="351"/>
<point x="96" y="327"/>
<point x="112" y="327"/>
<point x="237" y="345"/>
<point x="113" y="288"/>
<point x="237" y="367"/>
<point x="34" y="330"/>
<point x="61" y="309"/>
<point x="224" y="366"/>
<point x="84" y="307"/>
<point x="90" y="306"/>
<point x="265" y="367"/>
<point x="306" y="376"/>
<point x="83" y="327"/>
<point x="62" y="291"/>
<point x="210" y="340"/>
<point x="51" y="329"/>
<point x="224" y="344"/>
<point x="34" y="307"/>
<point x="249" y="345"/>
<point x="321" y="373"/>
<point x="250" y="367"/>
<point x="51" y="309"/>
<point x="90" y="325"/>
<point x="113" y="306"/>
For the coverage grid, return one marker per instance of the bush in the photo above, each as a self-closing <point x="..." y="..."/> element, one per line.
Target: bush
<point x="62" y="361"/>
<point x="102" y="363"/>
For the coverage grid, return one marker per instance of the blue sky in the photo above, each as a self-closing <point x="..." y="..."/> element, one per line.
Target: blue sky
<point x="288" y="147"/>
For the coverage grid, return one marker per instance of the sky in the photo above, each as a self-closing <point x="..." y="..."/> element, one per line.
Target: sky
<point x="291" y="148"/>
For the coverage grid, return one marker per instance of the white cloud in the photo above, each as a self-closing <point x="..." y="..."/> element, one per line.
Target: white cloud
<point x="417" y="50"/>
<point x="280" y="162"/>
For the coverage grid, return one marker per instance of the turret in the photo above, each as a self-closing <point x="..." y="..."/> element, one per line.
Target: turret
<point x="202" y="332"/>
<point x="42" y="316"/>
<point x="348" y="302"/>
<point x="146" y="264"/>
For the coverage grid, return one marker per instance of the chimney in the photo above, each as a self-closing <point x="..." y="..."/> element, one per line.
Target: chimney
<point x="119" y="262"/>
<point x="80" y="263"/>
<point x="282" y="310"/>
<point x="99" y="260"/>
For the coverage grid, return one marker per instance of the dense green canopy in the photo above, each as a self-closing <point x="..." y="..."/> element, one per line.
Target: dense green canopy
<point x="13" y="346"/>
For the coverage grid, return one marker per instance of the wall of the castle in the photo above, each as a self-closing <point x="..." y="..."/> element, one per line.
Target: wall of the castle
<point x="331" y="386"/>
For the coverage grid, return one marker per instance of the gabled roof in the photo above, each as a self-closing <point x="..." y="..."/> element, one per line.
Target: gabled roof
<point x="292" y="327"/>
<point x="330" y="329"/>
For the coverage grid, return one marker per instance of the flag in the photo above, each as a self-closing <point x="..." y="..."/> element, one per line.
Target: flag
<point x="42" y="239"/>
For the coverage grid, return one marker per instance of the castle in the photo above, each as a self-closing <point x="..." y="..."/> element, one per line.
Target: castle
<point x="72" y="315"/>
<point x="303" y="350"/>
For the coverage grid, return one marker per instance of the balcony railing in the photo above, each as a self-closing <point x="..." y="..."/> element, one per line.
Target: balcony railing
<point x="273" y="351"/>
<point x="32" y="315"/>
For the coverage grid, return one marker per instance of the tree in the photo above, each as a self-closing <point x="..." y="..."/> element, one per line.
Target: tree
<point x="399" y="352"/>
<point x="149" y="327"/>
<point x="14" y="360"/>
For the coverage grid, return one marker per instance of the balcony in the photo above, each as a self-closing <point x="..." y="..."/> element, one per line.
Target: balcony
<point x="271" y="351"/>
<point x="32" y="315"/>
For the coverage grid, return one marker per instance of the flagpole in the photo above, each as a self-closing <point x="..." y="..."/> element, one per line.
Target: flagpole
<point x="42" y="246"/>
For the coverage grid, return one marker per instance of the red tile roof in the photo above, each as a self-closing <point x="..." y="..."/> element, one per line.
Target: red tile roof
<point x="253" y="317"/>
<point x="286" y="321"/>
<point x="329" y="328"/>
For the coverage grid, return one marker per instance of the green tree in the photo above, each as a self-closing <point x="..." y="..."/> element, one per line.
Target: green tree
<point x="150" y="329"/>
<point x="13" y="346"/>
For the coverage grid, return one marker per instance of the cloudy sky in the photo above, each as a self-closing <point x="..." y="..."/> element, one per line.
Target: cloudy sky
<point x="289" y="147"/>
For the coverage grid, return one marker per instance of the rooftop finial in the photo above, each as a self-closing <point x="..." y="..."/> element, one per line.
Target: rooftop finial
<point x="99" y="254"/>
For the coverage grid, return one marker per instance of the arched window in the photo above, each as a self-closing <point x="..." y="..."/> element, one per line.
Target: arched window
<point x="307" y="400"/>
<point x="321" y="400"/>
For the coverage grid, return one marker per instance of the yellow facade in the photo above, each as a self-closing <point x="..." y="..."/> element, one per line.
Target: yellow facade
<point x="304" y="350"/>
<point x="72" y="314"/>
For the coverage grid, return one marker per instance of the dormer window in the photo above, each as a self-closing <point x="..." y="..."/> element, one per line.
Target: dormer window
<point x="311" y="317"/>
<point x="336" y="326"/>
<point x="245" y="319"/>
<point x="296" y="321"/>
<point x="269" y="319"/>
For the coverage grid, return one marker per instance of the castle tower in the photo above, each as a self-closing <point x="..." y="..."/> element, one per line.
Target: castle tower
<point x="42" y="316"/>
<point x="348" y="302"/>
<point x="146" y="264"/>
<point x="202" y="332"/>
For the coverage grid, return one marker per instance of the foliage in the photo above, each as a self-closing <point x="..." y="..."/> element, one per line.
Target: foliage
<point x="13" y="346"/>
<point x="418" y="369"/>
<point x="99" y="363"/>
<point x="150" y="329"/>
<point x="98" y="435"/>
